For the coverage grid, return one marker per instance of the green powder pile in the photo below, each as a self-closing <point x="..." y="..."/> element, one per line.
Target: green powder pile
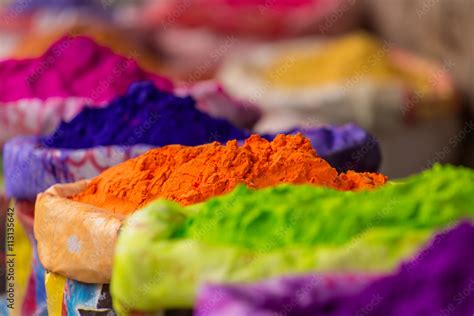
<point x="249" y="235"/>
<point x="287" y="216"/>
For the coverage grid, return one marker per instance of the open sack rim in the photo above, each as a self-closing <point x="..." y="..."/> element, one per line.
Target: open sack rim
<point x="75" y="240"/>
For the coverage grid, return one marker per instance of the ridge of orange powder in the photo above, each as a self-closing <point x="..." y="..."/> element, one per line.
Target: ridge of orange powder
<point x="190" y="175"/>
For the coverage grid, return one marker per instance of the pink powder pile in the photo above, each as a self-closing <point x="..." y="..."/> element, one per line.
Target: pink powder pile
<point x="74" y="66"/>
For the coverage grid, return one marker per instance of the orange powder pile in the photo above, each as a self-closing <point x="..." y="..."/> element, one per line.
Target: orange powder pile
<point x="193" y="174"/>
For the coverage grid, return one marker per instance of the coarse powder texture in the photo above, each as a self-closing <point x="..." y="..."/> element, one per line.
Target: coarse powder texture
<point x="190" y="175"/>
<point x="145" y="115"/>
<point x="429" y="284"/>
<point x="441" y="274"/>
<point x="35" y="42"/>
<point x="250" y="235"/>
<point x="433" y="198"/>
<point x="74" y="66"/>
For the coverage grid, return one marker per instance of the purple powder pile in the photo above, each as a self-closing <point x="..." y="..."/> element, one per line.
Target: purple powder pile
<point x="74" y="66"/>
<point x="345" y="147"/>
<point x="439" y="281"/>
<point x="145" y="115"/>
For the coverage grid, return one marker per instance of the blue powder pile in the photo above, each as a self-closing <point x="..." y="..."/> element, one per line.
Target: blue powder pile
<point x="145" y="115"/>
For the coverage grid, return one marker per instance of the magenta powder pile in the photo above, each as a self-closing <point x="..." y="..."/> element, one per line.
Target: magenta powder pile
<point x="74" y="66"/>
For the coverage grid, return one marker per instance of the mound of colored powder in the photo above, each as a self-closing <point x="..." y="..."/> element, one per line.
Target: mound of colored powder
<point x="428" y="200"/>
<point x="74" y="66"/>
<point x="353" y="57"/>
<point x="440" y="281"/>
<point x="249" y="235"/>
<point x="346" y="147"/>
<point x="36" y="43"/>
<point x="144" y="115"/>
<point x="192" y="174"/>
<point x="276" y="296"/>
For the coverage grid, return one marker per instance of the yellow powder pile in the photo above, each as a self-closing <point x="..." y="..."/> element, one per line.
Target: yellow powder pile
<point x="350" y="58"/>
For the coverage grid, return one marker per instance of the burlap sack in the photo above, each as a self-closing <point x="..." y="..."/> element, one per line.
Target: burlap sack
<point x="75" y="240"/>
